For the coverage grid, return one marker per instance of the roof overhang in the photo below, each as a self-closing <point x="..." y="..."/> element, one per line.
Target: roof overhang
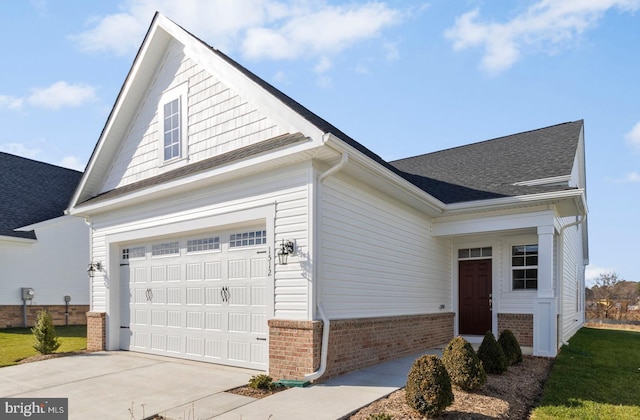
<point x="15" y="239"/>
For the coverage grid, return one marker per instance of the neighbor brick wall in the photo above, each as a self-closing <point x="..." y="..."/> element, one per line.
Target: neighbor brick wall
<point x="12" y="316"/>
<point x="294" y="346"/>
<point x="521" y="325"/>
<point x="96" y="331"/>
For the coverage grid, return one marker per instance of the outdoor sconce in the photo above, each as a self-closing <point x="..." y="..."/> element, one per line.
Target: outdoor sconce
<point x="93" y="267"/>
<point x="286" y="249"/>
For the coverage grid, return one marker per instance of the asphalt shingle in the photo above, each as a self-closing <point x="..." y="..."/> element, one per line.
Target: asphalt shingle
<point x="31" y="192"/>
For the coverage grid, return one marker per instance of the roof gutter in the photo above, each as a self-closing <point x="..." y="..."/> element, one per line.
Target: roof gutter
<point x="326" y="322"/>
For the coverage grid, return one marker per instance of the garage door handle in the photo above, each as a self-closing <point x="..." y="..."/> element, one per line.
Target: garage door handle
<point x="149" y="294"/>
<point x="225" y="294"/>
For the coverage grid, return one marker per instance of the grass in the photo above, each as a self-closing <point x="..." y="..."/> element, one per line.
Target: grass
<point x="16" y="343"/>
<point x="596" y="376"/>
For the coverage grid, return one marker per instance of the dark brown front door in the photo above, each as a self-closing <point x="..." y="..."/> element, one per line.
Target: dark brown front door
<point x="474" y="305"/>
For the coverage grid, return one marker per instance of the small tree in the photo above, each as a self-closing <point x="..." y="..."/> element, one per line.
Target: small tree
<point x="491" y="355"/>
<point x="463" y="365"/>
<point x="428" y="387"/>
<point x="44" y="334"/>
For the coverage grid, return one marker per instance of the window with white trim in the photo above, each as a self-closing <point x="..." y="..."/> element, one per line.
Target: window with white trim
<point x="167" y="248"/>
<point x="203" y="244"/>
<point x="250" y="238"/>
<point x="172" y="130"/>
<point x="524" y="267"/>
<point x="172" y="125"/>
<point x="468" y="253"/>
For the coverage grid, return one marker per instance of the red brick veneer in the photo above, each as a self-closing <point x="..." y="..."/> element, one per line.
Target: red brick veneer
<point x="12" y="316"/>
<point x="96" y="331"/>
<point x="294" y="346"/>
<point x="521" y="325"/>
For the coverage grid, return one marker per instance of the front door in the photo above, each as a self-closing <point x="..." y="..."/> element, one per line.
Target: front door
<point x="474" y="304"/>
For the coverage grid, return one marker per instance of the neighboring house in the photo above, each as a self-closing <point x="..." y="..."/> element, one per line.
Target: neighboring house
<point x="41" y="248"/>
<point x="204" y="173"/>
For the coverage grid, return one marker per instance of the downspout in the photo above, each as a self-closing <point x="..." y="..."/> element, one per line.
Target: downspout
<point x="580" y="221"/>
<point x="326" y="323"/>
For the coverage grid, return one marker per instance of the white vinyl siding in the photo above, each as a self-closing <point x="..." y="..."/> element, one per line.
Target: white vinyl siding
<point x="218" y="120"/>
<point x="378" y="256"/>
<point x="573" y="280"/>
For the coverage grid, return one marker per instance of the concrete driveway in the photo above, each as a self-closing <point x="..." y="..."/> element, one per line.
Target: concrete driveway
<point x="107" y="385"/>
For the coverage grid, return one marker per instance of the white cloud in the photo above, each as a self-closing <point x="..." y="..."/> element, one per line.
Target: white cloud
<point x="11" y="102"/>
<point x="72" y="162"/>
<point x="547" y="25"/>
<point x="62" y="94"/>
<point x="632" y="177"/>
<point x="20" y="149"/>
<point x="593" y="272"/>
<point x="633" y="136"/>
<point x="264" y="29"/>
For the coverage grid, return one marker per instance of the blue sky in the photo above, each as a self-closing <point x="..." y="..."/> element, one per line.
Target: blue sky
<point x="403" y="78"/>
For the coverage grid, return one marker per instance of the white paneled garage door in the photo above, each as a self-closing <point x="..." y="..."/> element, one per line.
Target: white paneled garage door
<point x="201" y="297"/>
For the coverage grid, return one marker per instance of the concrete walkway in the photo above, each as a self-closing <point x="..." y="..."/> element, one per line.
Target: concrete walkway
<point x="127" y="385"/>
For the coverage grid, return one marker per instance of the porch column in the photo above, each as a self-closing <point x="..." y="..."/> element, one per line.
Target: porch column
<point x="544" y="312"/>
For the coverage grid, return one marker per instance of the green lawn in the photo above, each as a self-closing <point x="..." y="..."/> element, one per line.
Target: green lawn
<point x="16" y="343"/>
<point x="596" y="376"/>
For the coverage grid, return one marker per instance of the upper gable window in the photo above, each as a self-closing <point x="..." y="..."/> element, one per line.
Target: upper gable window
<point x="172" y="125"/>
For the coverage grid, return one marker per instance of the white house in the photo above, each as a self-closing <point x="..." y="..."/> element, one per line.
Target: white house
<point x="205" y="173"/>
<point x="41" y="249"/>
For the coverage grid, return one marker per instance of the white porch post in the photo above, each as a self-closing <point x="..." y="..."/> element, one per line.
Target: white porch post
<point x="544" y="313"/>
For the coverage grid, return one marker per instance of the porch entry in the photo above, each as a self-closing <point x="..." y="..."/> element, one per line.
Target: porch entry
<point x="475" y="297"/>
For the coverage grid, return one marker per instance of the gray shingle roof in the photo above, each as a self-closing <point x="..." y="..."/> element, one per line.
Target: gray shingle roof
<point x="489" y="169"/>
<point x="31" y="192"/>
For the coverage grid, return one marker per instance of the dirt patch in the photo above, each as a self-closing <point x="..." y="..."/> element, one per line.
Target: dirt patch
<point x="247" y="391"/>
<point x="40" y="357"/>
<point x="511" y="395"/>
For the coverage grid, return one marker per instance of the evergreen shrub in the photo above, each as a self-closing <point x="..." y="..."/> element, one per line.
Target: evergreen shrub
<point x="491" y="355"/>
<point x="428" y="387"/>
<point x="463" y="365"/>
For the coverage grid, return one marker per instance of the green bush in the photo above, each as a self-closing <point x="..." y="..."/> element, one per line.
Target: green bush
<point x="429" y="386"/>
<point x="44" y="334"/>
<point x="491" y="355"/>
<point x="262" y="381"/>
<point x="510" y="347"/>
<point x="463" y="365"/>
<point x="380" y="416"/>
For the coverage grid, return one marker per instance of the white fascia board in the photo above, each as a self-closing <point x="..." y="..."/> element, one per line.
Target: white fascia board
<point x="174" y="187"/>
<point x="43" y="224"/>
<point x="18" y="240"/>
<point x="577" y="195"/>
<point x="436" y="206"/>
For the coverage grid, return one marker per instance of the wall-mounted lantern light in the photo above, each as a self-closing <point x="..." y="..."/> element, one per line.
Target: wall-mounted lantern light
<point x="286" y="249"/>
<point x="93" y="268"/>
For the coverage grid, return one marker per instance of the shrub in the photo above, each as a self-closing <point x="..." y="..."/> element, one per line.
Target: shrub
<point x="380" y="416"/>
<point x="463" y="365"/>
<point x="44" y="334"/>
<point x="429" y="386"/>
<point x="262" y="381"/>
<point x="510" y="347"/>
<point x="491" y="355"/>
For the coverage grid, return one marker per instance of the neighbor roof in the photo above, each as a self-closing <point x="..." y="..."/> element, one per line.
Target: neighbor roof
<point x="490" y="169"/>
<point x="32" y="192"/>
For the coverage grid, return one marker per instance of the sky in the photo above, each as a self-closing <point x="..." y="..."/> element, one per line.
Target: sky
<point x="402" y="78"/>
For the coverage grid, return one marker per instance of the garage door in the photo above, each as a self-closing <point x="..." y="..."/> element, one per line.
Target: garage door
<point x="201" y="297"/>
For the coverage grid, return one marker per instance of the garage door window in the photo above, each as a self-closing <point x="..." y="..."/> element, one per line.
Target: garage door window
<point x="168" y="248"/>
<point x="251" y="238"/>
<point x="134" y="252"/>
<point x="203" y="244"/>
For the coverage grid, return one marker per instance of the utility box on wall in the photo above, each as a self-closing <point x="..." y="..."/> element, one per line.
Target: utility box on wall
<point x="27" y="293"/>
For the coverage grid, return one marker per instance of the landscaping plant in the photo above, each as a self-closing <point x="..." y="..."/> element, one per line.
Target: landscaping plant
<point x="510" y="347"/>
<point x="463" y="365"/>
<point x="428" y="387"/>
<point x="491" y="355"/>
<point x="262" y="381"/>
<point x="44" y="334"/>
